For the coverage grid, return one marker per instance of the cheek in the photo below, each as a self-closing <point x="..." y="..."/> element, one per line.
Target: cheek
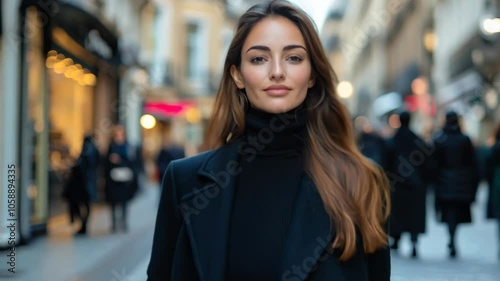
<point x="254" y="77"/>
<point x="301" y="77"/>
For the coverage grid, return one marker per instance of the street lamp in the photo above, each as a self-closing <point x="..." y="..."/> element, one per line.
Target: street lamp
<point x="148" y="121"/>
<point x="490" y="26"/>
<point x="345" y="89"/>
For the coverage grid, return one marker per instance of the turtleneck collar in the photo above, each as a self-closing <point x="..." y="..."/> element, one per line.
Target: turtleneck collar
<point x="272" y="133"/>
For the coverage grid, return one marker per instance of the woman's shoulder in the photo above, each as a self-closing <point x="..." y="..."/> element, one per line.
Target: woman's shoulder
<point x="192" y="162"/>
<point x="183" y="174"/>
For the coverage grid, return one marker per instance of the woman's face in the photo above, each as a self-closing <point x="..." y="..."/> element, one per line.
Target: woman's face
<point x="275" y="68"/>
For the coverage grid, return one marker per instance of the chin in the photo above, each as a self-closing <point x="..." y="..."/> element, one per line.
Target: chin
<point x="277" y="106"/>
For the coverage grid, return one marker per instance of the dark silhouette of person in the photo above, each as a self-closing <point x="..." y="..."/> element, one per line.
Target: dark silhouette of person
<point x="121" y="176"/>
<point x="407" y="160"/>
<point x="81" y="187"/>
<point x="456" y="177"/>
<point x="371" y="144"/>
<point x="167" y="154"/>
<point x="493" y="176"/>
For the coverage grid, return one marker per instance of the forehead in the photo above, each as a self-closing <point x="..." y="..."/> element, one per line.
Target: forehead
<point x="274" y="31"/>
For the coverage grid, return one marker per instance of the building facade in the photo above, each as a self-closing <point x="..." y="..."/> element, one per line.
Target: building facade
<point x="466" y="69"/>
<point x="61" y="72"/>
<point x="363" y="50"/>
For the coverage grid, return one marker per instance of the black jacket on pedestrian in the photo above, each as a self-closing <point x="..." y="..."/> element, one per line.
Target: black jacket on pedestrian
<point x="493" y="176"/>
<point x="407" y="160"/>
<point x="166" y="156"/>
<point x="116" y="192"/>
<point x="192" y="228"/>
<point x="373" y="146"/>
<point x="81" y="185"/>
<point x="456" y="173"/>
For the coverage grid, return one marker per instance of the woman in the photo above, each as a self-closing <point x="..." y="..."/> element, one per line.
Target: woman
<point x="285" y="194"/>
<point x="121" y="176"/>
<point x="456" y="177"/>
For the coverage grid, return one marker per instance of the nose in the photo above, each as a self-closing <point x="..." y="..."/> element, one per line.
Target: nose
<point x="277" y="71"/>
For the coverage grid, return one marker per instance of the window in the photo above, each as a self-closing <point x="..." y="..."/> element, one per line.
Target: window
<point x="192" y="51"/>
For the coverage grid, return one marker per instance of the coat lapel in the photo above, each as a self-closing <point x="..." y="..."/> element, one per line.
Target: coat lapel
<point x="207" y="212"/>
<point x="309" y="234"/>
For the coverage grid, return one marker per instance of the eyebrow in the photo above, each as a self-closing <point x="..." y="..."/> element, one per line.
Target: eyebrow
<point x="265" y="48"/>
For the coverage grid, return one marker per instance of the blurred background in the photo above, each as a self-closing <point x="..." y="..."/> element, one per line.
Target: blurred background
<point x="73" y="67"/>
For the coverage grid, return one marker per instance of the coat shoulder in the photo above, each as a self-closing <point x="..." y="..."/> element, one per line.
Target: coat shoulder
<point x="185" y="172"/>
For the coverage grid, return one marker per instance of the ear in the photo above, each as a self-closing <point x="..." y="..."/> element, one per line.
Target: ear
<point x="237" y="78"/>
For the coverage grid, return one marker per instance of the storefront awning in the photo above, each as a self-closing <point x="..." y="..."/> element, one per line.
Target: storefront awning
<point x="88" y="31"/>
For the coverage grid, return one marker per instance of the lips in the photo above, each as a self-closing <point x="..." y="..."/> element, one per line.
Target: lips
<point x="277" y="90"/>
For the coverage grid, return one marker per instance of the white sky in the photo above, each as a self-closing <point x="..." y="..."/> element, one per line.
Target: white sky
<point x="317" y="9"/>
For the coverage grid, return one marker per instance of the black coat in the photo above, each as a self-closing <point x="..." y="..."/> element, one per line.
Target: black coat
<point x="456" y="175"/>
<point x="166" y="156"/>
<point x="81" y="185"/>
<point x="373" y="146"/>
<point x="122" y="191"/>
<point x="192" y="225"/>
<point x="407" y="160"/>
<point x="493" y="177"/>
<point x="456" y="169"/>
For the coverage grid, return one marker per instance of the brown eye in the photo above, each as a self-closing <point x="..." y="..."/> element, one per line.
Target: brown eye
<point x="295" y="59"/>
<point x="257" y="60"/>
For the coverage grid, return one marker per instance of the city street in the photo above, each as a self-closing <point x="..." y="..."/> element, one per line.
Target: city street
<point x="124" y="256"/>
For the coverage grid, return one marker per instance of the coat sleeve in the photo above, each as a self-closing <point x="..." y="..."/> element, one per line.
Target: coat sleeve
<point x="168" y="223"/>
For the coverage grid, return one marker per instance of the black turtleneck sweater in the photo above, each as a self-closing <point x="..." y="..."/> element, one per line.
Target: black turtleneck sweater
<point x="272" y="164"/>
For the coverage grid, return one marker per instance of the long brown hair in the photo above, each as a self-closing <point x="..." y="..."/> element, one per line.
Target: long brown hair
<point x="354" y="191"/>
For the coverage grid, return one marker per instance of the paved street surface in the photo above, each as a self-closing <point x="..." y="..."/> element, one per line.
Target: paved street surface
<point x="477" y="250"/>
<point x="103" y="256"/>
<point x="100" y="256"/>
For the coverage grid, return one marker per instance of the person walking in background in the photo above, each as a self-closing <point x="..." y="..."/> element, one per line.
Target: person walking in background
<point x="493" y="175"/>
<point x="81" y="188"/>
<point x="370" y="143"/>
<point x="121" y="176"/>
<point x="456" y="177"/>
<point x="167" y="154"/>
<point x="407" y="160"/>
<point x="284" y="182"/>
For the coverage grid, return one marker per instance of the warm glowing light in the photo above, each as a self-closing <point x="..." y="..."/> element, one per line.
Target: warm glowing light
<point x="51" y="61"/>
<point x="491" y="26"/>
<point x="430" y="41"/>
<point x="62" y="65"/>
<point x="193" y="115"/>
<point x="491" y="99"/>
<point x="345" y="89"/>
<point x="52" y="53"/>
<point x="148" y="121"/>
<point x="89" y="79"/>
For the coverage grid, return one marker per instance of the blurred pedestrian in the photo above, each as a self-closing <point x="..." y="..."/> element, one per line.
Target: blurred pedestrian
<point x="407" y="156"/>
<point x="493" y="170"/>
<point x="285" y="185"/>
<point x="81" y="188"/>
<point x="169" y="152"/>
<point x="370" y="143"/>
<point x="456" y="177"/>
<point x="121" y="176"/>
